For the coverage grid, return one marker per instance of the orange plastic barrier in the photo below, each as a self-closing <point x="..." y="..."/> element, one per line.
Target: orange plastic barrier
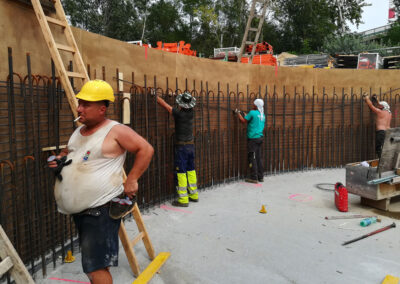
<point x="263" y="59"/>
<point x="175" y="47"/>
<point x="263" y="47"/>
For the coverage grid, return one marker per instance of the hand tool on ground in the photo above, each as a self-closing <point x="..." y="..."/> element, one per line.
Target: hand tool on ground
<point x="370" y="234"/>
<point x="60" y="164"/>
<point x="347" y="217"/>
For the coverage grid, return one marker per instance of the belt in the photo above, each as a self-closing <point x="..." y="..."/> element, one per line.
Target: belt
<point x="94" y="211"/>
<point x="184" y="143"/>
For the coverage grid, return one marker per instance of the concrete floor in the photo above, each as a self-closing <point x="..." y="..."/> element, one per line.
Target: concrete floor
<point x="224" y="238"/>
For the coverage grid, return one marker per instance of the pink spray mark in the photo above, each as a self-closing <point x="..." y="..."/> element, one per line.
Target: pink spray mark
<point x="253" y="184"/>
<point x="145" y="52"/>
<point x="302" y="197"/>
<point x="175" y="209"/>
<point x="68" y="280"/>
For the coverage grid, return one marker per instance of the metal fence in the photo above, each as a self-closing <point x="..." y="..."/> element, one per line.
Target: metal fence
<point x="304" y="130"/>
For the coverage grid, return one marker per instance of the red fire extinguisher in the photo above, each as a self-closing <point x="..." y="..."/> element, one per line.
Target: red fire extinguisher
<point x="341" y="200"/>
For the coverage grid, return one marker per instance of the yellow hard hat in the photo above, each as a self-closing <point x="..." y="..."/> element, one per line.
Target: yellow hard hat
<point x="96" y="90"/>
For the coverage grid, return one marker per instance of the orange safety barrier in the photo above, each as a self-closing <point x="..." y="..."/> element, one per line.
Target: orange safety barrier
<point x="263" y="47"/>
<point x="263" y="59"/>
<point x="179" y="47"/>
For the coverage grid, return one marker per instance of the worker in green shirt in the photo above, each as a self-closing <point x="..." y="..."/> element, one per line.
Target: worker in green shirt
<point x="255" y="120"/>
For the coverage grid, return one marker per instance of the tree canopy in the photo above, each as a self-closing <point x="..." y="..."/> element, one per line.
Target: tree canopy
<point x="291" y="25"/>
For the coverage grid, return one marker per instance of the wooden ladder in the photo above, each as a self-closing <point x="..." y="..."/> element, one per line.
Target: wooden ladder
<point x="251" y="29"/>
<point x="82" y="74"/>
<point x="10" y="261"/>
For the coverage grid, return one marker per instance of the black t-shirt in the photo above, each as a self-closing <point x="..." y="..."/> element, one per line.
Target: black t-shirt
<point x="183" y="124"/>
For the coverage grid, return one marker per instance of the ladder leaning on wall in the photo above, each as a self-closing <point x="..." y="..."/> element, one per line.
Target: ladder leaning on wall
<point x="11" y="262"/>
<point x="65" y="76"/>
<point x="250" y="30"/>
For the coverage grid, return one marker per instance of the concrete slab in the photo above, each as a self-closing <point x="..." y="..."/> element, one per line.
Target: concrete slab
<point x="224" y="239"/>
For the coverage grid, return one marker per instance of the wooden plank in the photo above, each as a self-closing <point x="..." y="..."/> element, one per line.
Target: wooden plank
<point x="5" y="265"/>
<point x="133" y="262"/>
<point x="137" y="239"/>
<point x="18" y="271"/>
<point x="152" y="268"/>
<point x="51" y="148"/>
<point x="75" y="74"/>
<point x="146" y="240"/>
<point x="65" y="47"/>
<point x="389" y="279"/>
<point x="382" y="204"/>
<point x="71" y="41"/>
<point x="55" y="56"/>
<point x="56" y="21"/>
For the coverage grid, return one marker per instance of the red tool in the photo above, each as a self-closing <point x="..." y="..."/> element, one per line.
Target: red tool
<point x="341" y="199"/>
<point x="370" y="234"/>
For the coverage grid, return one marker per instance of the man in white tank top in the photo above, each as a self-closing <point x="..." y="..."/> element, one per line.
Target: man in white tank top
<point x="95" y="176"/>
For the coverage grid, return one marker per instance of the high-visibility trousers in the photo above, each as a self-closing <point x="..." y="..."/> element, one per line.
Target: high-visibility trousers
<point x="185" y="174"/>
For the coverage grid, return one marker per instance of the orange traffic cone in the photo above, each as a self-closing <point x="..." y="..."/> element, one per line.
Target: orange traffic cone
<point x="263" y="210"/>
<point x="69" y="258"/>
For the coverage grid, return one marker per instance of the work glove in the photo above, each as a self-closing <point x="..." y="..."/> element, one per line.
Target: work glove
<point x="61" y="163"/>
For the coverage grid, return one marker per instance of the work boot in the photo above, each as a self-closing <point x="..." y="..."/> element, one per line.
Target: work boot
<point x="261" y="179"/>
<point x="251" y="180"/>
<point x="193" y="200"/>
<point x="178" y="204"/>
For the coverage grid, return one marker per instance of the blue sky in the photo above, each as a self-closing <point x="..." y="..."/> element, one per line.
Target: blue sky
<point x="373" y="16"/>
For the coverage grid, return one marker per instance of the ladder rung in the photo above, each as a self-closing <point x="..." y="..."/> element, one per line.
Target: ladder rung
<point x="137" y="239"/>
<point x="253" y="29"/>
<point x="249" y="42"/>
<point x="65" y="47"/>
<point x="56" y="21"/>
<point x="75" y="75"/>
<point x="6" y="265"/>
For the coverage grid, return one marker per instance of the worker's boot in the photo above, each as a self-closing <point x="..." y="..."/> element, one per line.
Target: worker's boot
<point x="178" y="204"/>
<point x="250" y="180"/>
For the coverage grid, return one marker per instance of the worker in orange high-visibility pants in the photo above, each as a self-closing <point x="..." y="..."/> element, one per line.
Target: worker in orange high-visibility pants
<point x="185" y="173"/>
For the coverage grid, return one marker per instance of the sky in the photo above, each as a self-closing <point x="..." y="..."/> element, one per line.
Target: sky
<point x="373" y="16"/>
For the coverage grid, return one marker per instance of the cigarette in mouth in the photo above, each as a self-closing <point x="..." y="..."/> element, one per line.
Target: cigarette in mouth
<point x="76" y="119"/>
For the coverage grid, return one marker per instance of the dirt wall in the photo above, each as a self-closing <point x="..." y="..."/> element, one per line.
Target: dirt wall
<point x="20" y="30"/>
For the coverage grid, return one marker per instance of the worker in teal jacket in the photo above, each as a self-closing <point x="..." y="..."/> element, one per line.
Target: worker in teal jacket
<point x="255" y="120"/>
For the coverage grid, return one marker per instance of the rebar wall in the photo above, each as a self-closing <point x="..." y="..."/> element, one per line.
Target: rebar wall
<point x="304" y="130"/>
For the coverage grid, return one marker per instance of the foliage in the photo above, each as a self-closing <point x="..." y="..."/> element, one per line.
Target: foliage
<point x="297" y="25"/>
<point x="348" y="44"/>
<point x="393" y="35"/>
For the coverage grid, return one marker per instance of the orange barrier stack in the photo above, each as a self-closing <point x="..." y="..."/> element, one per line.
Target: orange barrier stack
<point x="263" y="59"/>
<point x="263" y="47"/>
<point x="179" y="47"/>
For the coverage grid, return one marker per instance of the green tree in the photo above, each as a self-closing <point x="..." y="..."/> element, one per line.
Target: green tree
<point x="348" y="44"/>
<point x="393" y="35"/>
<point x="305" y="24"/>
<point x="165" y="24"/>
<point x="112" y="18"/>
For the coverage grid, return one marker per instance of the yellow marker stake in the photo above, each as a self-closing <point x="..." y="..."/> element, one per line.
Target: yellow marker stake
<point x="263" y="210"/>
<point x="69" y="258"/>
<point x="153" y="267"/>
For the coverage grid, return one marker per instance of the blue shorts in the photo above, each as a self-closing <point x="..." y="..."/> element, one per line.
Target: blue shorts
<point x="98" y="238"/>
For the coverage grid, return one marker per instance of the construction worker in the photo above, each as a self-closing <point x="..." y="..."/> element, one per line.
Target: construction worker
<point x="383" y="118"/>
<point x="185" y="174"/>
<point x="96" y="154"/>
<point x="255" y="120"/>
